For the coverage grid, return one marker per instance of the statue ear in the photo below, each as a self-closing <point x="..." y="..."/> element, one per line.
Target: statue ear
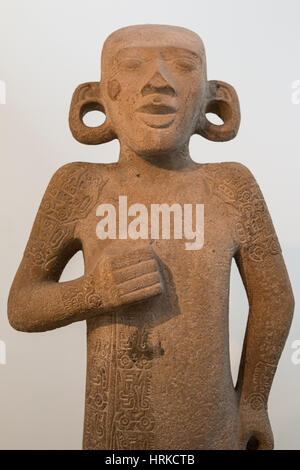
<point x="87" y="97"/>
<point x="221" y="99"/>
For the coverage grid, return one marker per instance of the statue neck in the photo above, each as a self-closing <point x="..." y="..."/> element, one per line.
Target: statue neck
<point x="178" y="160"/>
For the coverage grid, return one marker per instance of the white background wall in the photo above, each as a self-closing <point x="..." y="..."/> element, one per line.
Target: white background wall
<point x="49" y="47"/>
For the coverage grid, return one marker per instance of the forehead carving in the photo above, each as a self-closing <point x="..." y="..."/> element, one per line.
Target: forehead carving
<point x="143" y="36"/>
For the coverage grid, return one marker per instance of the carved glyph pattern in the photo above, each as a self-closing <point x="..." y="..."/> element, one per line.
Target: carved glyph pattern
<point x="133" y="421"/>
<point x="97" y="396"/>
<point x="253" y="226"/>
<point x="68" y="200"/>
<point x="118" y="407"/>
<point x="262" y="381"/>
<point x="84" y="298"/>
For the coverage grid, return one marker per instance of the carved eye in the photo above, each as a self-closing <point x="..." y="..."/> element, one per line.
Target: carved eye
<point x="185" y="65"/>
<point x="131" y="64"/>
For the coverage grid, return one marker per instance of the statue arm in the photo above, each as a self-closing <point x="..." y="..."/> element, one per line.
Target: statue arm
<point x="37" y="301"/>
<point x="46" y="305"/>
<point x="271" y="306"/>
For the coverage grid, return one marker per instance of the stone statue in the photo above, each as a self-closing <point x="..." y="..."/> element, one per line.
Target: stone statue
<point x="155" y="302"/>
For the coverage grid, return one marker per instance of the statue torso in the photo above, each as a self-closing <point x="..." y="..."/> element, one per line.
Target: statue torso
<point x="158" y="373"/>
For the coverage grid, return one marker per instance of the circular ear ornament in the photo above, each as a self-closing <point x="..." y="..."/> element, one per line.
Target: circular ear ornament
<point x="221" y="100"/>
<point x="87" y="97"/>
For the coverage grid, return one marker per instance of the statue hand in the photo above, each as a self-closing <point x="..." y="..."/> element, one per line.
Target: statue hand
<point x="127" y="278"/>
<point x="254" y="429"/>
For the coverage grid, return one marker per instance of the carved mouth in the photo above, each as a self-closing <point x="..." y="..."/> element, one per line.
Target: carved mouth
<point x="157" y="121"/>
<point x="153" y="108"/>
<point x="157" y="115"/>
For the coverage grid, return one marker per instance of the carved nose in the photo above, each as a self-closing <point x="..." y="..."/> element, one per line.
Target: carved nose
<point x="157" y="84"/>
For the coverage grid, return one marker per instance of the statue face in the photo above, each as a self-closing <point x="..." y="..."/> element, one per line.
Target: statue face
<point x="154" y="92"/>
<point x="153" y="96"/>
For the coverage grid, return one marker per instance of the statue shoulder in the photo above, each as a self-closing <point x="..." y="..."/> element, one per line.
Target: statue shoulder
<point x="232" y="182"/>
<point x="237" y="171"/>
<point x="71" y="171"/>
<point x="228" y="170"/>
<point x="72" y="191"/>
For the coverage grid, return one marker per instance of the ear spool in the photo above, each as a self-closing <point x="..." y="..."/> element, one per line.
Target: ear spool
<point x="221" y="100"/>
<point x="87" y="97"/>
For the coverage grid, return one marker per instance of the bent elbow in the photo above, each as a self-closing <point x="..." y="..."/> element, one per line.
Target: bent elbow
<point x="18" y="321"/>
<point x="18" y="312"/>
<point x="22" y="323"/>
<point x="18" y="324"/>
<point x="286" y="308"/>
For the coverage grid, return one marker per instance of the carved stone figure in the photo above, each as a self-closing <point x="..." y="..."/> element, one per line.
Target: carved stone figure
<point x="158" y="366"/>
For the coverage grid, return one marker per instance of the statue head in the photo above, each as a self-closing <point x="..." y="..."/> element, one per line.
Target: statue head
<point x="154" y="92"/>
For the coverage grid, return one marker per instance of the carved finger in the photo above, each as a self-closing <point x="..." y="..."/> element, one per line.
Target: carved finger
<point x="142" y="294"/>
<point x="140" y="282"/>
<point x="134" y="271"/>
